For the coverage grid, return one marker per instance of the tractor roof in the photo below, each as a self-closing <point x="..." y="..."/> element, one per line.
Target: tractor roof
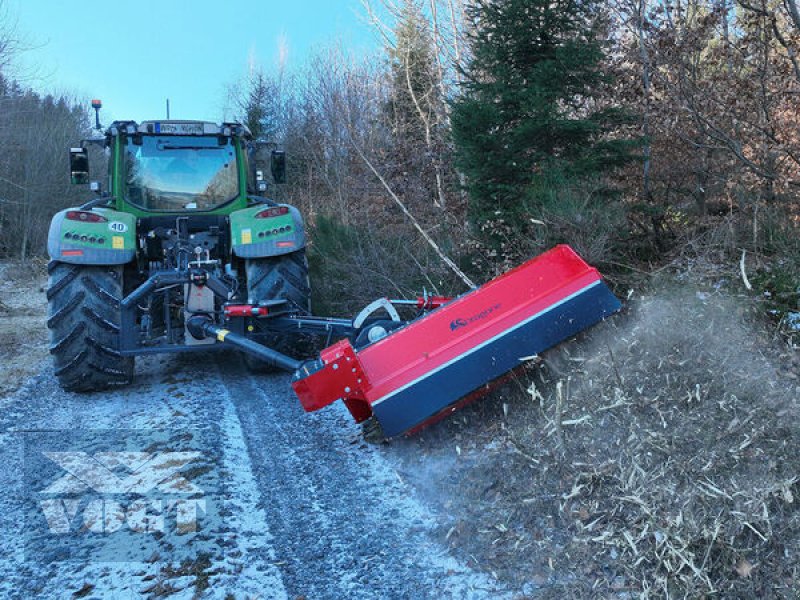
<point x="174" y="127"/>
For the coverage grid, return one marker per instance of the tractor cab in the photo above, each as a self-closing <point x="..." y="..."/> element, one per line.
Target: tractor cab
<point x="180" y="166"/>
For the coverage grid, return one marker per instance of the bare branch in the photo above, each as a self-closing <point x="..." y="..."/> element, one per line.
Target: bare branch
<point x="453" y="267"/>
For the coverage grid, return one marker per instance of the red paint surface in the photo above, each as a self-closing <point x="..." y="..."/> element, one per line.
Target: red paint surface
<point x="245" y="310"/>
<point x="428" y="343"/>
<point x="365" y="377"/>
<point x="431" y="302"/>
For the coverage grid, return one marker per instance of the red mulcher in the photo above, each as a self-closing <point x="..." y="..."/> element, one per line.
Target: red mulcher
<point x="425" y="368"/>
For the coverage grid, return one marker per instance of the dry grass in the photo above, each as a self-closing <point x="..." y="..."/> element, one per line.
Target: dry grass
<point x="654" y="458"/>
<point x="23" y="311"/>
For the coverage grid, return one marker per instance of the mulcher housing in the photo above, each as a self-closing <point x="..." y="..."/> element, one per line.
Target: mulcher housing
<point x="424" y="369"/>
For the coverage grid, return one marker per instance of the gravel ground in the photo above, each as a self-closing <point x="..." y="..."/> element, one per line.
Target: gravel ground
<point x="305" y="509"/>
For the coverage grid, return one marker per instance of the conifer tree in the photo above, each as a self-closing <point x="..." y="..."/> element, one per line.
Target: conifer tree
<point x="528" y="115"/>
<point x="257" y="105"/>
<point x="416" y="99"/>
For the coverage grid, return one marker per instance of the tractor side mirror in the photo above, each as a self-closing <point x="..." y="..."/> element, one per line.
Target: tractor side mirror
<point x="278" y="166"/>
<point x="78" y="165"/>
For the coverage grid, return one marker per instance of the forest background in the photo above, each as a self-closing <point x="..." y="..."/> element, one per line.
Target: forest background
<point x="638" y="131"/>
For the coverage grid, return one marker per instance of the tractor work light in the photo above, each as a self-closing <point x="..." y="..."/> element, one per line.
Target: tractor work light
<point x="272" y="212"/>
<point x="85" y="216"/>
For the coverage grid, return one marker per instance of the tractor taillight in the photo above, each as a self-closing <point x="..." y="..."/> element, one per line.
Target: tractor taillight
<point x="85" y="216"/>
<point x="273" y="212"/>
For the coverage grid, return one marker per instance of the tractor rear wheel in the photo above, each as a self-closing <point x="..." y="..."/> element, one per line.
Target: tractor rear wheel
<point x="282" y="277"/>
<point x="84" y="323"/>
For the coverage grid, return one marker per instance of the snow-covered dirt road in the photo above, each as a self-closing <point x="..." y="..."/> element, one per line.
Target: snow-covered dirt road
<point x="283" y="504"/>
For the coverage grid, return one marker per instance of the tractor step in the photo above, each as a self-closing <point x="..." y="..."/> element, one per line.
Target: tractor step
<point x="428" y="367"/>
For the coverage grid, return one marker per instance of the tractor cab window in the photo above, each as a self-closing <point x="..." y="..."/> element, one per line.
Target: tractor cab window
<point x="176" y="173"/>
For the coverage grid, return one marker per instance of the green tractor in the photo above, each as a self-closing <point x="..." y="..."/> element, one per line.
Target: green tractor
<point x="182" y="230"/>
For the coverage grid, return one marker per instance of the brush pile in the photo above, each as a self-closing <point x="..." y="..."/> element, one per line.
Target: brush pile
<point x="656" y="457"/>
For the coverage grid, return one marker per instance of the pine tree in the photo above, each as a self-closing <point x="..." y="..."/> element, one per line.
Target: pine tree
<point x="258" y="105"/>
<point x="528" y="115"/>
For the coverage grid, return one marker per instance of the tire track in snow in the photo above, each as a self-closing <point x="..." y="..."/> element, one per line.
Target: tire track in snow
<point x="246" y="521"/>
<point x="347" y="526"/>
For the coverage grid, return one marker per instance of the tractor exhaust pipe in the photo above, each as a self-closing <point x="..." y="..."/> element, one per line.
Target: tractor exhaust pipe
<point x="202" y="327"/>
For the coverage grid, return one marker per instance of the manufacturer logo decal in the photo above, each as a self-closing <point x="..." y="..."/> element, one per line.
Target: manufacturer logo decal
<point x="118" y="227"/>
<point x="459" y="323"/>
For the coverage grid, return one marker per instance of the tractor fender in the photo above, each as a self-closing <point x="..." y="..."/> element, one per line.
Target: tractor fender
<point x="104" y="237"/>
<point x="267" y="230"/>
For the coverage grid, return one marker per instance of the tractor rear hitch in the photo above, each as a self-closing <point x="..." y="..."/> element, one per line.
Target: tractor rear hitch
<point x="162" y="279"/>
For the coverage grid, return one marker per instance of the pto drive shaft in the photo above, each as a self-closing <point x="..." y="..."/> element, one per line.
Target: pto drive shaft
<point x="201" y="327"/>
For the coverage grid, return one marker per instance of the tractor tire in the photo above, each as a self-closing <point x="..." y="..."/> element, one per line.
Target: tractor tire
<point x="282" y="277"/>
<point x="84" y="323"/>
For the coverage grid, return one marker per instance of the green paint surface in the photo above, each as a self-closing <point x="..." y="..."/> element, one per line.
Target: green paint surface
<point x="117" y="233"/>
<point x="247" y="229"/>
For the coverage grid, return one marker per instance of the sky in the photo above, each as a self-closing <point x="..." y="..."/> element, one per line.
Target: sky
<point x="133" y="55"/>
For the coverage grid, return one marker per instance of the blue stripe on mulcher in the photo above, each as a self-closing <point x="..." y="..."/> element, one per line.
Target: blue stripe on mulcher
<point x="435" y="391"/>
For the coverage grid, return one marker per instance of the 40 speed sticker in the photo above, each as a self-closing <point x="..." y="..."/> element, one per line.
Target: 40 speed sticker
<point x="118" y="227"/>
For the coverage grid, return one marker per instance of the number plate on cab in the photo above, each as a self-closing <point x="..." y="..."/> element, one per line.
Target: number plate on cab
<point x="180" y="128"/>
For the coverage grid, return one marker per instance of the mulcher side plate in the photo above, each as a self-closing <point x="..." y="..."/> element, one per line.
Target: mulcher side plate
<point x="416" y="372"/>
